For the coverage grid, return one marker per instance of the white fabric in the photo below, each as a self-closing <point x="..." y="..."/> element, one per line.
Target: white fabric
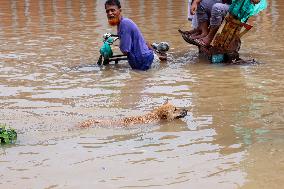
<point x="190" y="17"/>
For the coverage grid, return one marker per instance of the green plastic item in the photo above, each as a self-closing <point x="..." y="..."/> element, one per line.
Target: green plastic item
<point x="217" y="58"/>
<point x="243" y="9"/>
<point x="106" y="50"/>
<point x="7" y="135"/>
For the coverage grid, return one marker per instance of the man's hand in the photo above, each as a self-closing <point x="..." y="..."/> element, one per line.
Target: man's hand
<point x="149" y="46"/>
<point x="193" y="7"/>
<point x="255" y="1"/>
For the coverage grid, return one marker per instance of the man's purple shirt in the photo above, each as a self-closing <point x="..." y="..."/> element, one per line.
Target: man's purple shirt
<point x="132" y="42"/>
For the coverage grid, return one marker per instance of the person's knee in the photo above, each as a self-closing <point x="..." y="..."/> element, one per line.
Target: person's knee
<point x="217" y="8"/>
<point x="220" y="9"/>
<point x="218" y="12"/>
<point x="202" y="17"/>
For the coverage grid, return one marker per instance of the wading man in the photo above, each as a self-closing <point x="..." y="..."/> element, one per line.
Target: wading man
<point x="132" y="43"/>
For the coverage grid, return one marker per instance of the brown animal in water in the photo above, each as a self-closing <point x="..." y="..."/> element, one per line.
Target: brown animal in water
<point x="166" y="112"/>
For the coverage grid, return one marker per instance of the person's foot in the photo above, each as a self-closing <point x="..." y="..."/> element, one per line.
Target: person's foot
<point x="199" y="36"/>
<point x="204" y="30"/>
<point x="206" y="40"/>
<point x="193" y="32"/>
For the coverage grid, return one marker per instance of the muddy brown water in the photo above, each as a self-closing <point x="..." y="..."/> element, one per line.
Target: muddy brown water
<point x="232" y="138"/>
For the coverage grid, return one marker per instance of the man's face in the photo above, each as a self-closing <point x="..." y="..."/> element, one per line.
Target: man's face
<point x="113" y="14"/>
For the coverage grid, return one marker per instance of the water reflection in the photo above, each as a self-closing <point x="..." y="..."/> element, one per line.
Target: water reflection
<point x="49" y="83"/>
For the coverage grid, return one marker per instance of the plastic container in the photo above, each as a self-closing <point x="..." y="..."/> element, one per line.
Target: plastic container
<point x="217" y="58"/>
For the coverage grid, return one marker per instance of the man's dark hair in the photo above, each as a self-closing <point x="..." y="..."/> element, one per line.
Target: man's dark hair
<point x="113" y="2"/>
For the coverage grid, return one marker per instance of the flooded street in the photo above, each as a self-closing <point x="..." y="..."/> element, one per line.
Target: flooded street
<point x="233" y="136"/>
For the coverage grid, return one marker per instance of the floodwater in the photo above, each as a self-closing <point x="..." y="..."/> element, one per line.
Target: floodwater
<point x="233" y="136"/>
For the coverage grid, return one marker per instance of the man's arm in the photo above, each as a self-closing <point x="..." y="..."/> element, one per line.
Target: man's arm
<point x="149" y="45"/>
<point x="194" y="6"/>
<point x="125" y="41"/>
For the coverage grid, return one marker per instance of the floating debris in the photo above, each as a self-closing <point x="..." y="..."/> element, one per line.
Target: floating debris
<point x="7" y="135"/>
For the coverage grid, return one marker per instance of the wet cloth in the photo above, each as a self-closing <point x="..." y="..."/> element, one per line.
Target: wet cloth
<point x="131" y="41"/>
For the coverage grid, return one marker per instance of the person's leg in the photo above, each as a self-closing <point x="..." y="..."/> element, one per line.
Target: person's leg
<point x="203" y="16"/>
<point x="202" y="20"/>
<point x="203" y="30"/>
<point x="209" y="37"/>
<point x="195" y="27"/>
<point x="146" y="62"/>
<point x="193" y="20"/>
<point x="218" y="13"/>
